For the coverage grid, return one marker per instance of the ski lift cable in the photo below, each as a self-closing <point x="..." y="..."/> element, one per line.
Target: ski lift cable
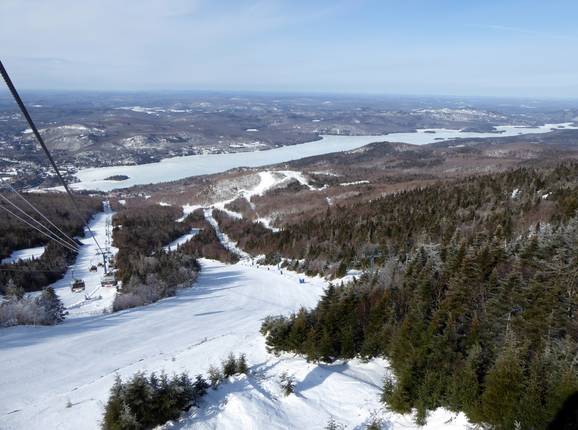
<point x="37" y="229"/>
<point x="64" y="244"/>
<point x="39" y="224"/>
<point x="26" y="115"/>
<point x="15" y="191"/>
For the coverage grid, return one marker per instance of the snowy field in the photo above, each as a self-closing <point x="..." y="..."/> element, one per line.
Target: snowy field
<point x="23" y="255"/>
<point x="59" y="377"/>
<point x="175" y="168"/>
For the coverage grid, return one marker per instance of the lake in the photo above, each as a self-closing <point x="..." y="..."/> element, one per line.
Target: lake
<point x="172" y="169"/>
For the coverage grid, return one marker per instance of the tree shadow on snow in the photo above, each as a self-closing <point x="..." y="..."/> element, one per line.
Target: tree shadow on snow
<point x="319" y="374"/>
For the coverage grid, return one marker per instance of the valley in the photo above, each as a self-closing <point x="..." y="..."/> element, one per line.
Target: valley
<point x="314" y="260"/>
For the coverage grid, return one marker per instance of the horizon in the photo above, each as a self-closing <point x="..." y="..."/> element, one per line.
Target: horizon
<point x="511" y="49"/>
<point x="296" y="93"/>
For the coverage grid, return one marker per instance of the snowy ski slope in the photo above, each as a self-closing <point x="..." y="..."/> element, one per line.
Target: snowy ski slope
<point x="46" y="369"/>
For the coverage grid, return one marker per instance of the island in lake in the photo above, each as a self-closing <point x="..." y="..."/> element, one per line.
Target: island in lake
<point x="116" y="178"/>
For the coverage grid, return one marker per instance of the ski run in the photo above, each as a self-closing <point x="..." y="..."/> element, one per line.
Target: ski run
<point x="59" y="377"/>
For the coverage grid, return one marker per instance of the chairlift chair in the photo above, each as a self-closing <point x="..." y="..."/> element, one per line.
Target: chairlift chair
<point x="109" y="280"/>
<point x="77" y="286"/>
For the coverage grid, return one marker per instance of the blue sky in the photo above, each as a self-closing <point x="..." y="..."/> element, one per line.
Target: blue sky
<point x="494" y="48"/>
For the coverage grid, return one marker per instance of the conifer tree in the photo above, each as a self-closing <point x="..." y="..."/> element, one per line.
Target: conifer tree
<point x="503" y="388"/>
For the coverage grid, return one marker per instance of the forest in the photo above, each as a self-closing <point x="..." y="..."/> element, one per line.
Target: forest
<point x="148" y="272"/>
<point x="14" y="234"/>
<point x="474" y="300"/>
<point x="348" y="236"/>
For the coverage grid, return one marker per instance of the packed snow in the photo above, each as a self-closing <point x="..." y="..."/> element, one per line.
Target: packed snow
<point x="223" y="238"/>
<point x="181" y="240"/>
<point x="95" y="299"/>
<point x="24" y="255"/>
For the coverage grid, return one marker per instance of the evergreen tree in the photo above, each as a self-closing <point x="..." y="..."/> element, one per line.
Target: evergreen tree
<point x="229" y="366"/>
<point x="54" y="310"/>
<point x="13" y="291"/>
<point x="215" y="376"/>
<point x="503" y="389"/>
<point x="241" y="365"/>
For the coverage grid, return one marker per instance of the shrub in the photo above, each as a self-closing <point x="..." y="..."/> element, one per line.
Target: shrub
<point x="145" y="402"/>
<point x="215" y="376"/>
<point x="287" y="383"/>
<point x="230" y="366"/>
<point x="46" y="309"/>
<point x="241" y="365"/>
<point x="333" y="425"/>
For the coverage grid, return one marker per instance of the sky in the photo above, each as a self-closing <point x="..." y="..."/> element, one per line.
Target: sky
<point x="423" y="47"/>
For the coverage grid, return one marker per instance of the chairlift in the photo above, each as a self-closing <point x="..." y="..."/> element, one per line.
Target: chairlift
<point x="109" y="280"/>
<point x="77" y="286"/>
<point x="93" y="268"/>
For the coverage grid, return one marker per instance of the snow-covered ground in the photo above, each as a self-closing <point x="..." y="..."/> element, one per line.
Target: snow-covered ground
<point x="223" y="238"/>
<point x="94" y="299"/>
<point x="44" y="367"/>
<point x="180" y="240"/>
<point x="59" y="377"/>
<point x="24" y="255"/>
<point x="268" y="180"/>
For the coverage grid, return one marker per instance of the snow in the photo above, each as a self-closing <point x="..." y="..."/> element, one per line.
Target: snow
<point x="347" y="391"/>
<point x="24" y="255"/>
<point x="266" y="222"/>
<point x="179" y="241"/>
<point x="346" y="184"/>
<point x="223" y="238"/>
<point x="71" y="127"/>
<point x="515" y="193"/>
<point x="44" y="368"/>
<point x="247" y="145"/>
<point x="94" y="300"/>
<point x="268" y="180"/>
<point x="187" y="210"/>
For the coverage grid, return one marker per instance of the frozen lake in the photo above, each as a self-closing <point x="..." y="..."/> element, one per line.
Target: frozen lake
<point x="172" y="169"/>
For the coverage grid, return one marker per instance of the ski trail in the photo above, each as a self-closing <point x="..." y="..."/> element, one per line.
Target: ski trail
<point x="223" y="238"/>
